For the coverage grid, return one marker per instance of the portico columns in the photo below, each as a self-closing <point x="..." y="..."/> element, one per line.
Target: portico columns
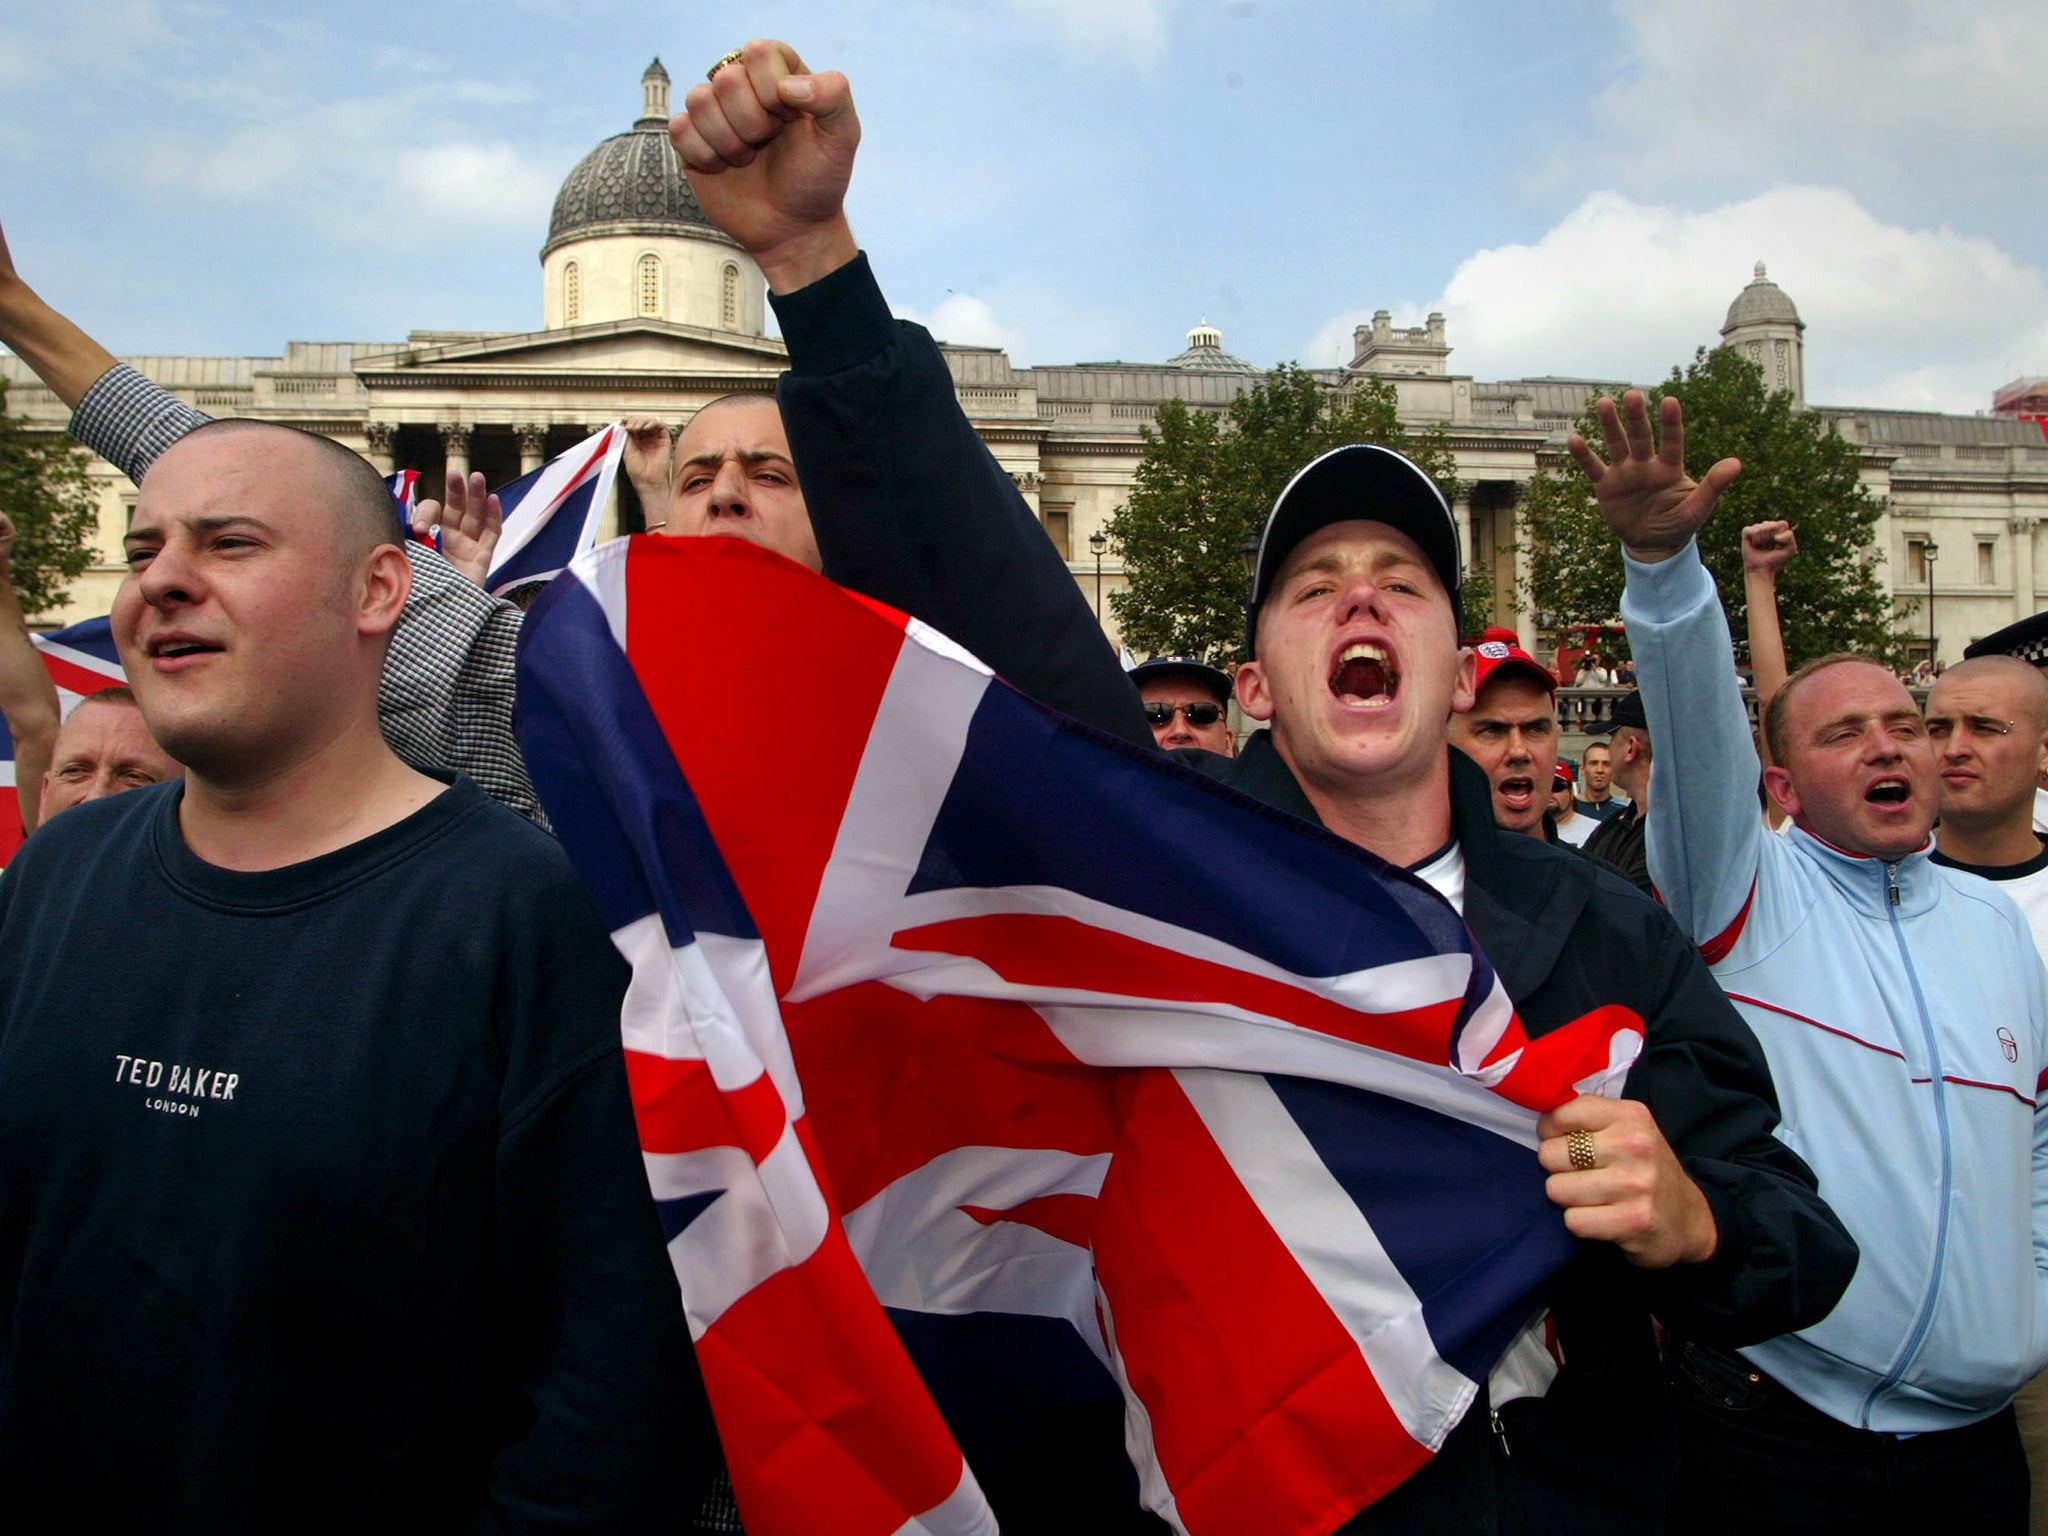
<point x="455" y="442"/>
<point x="533" y="448"/>
<point x="379" y="435"/>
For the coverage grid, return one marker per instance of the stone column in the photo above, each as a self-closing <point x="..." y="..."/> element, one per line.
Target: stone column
<point x="455" y="440"/>
<point x="533" y="448"/>
<point x="1461" y="515"/>
<point x="380" y="435"/>
<point x="1518" y="527"/>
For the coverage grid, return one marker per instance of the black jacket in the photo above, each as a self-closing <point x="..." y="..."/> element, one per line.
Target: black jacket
<point x="1623" y="841"/>
<point x="911" y="508"/>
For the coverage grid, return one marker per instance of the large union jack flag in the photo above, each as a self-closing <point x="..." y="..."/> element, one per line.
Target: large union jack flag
<point x="81" y="660"/>
<point x="987" y="1067"/>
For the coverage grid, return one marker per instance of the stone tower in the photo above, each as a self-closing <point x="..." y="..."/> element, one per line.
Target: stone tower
<point x="1764" y="326"/>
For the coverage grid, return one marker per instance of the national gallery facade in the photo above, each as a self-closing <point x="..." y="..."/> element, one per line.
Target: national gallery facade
<point x="647" y="309"/>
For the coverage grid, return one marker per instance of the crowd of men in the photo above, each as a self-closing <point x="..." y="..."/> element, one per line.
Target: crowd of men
<point x="320" y="1202"/>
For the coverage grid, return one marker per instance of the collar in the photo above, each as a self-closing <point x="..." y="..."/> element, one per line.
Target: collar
<point x="1868" y="883"/>
<point x="2018" y="871"/>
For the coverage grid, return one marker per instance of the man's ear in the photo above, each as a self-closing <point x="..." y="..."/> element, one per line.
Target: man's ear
<point x="1252" y="696"/>
<point x="1465" y="687"/>
<point x="386" y="581"/>
<point x="1778" y="784"/>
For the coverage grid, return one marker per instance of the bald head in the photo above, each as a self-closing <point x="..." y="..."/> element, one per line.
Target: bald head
<point x="2020" y="681"/>
<point x="345" y="484"/>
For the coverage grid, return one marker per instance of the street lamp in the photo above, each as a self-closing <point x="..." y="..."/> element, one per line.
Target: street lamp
<point x="1928" y="552"/>
<point x="1098" y="541"/>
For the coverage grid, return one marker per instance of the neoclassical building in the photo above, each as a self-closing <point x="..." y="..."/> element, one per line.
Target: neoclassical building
<point x="646" y="308"/>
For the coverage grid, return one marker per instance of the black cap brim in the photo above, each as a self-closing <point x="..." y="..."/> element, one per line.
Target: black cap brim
<point x="1358" y="482"/>
<point x="2028" y="640"/>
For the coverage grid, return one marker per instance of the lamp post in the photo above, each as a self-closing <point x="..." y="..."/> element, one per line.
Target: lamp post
<point x="1098" y="541"/>
<point x="1928" y="553"/>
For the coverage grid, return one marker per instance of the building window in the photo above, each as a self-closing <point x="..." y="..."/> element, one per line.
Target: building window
<point x="572" y="293"/>
<point x="1916" y="562"/>
<point x="729" y="297"/>
<point x="650" y="285"/>
<point x="1987" y="566"/>
<point x="1057" y="523"/>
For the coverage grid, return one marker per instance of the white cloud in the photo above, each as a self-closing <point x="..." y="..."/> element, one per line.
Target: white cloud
<point x="485" y="183"/>
<point x="1923" y="318"/>
<point x="967" y="321"/>
<point x="1135" y="29"/>
<point x="1813" y="89"/>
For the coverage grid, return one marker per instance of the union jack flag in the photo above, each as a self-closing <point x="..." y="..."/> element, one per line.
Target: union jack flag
<point x="554" y="513"/>
<point x="405" y="491"/>
<point x="986" y="1066"/>
<point x="81" y="660"/>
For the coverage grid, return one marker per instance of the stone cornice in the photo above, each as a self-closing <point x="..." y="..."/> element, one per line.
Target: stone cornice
<point x="580" y="380"/>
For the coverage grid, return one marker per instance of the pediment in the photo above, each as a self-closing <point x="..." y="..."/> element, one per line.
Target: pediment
<point x="624" y="346"/>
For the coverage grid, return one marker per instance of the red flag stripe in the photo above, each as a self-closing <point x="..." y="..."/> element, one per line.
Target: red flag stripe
<point x="681" y="1109"/>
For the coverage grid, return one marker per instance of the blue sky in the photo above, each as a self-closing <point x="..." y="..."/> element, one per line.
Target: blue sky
<point x="1581" y="186"/>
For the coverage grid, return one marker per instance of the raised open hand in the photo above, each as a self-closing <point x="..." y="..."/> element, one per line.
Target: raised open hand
<point x="768" y="148"/>
<point x="1644" y="493"/>
<point x="1766" y="546"/>
<point x="470" y="524"/>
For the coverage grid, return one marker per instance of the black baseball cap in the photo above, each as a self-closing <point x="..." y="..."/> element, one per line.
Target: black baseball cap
<point x="1628" y="710"/>
<point x="1363" y="481"/>
<point x="1193" y="668"/>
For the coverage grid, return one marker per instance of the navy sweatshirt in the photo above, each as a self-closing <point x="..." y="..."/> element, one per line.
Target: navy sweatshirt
<point x="320" y="1202"/>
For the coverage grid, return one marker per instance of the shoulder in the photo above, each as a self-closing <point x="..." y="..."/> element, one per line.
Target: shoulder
<point x="95" y="824"/>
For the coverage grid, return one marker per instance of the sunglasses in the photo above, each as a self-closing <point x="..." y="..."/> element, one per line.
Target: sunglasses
<point x="1198" y="714"/>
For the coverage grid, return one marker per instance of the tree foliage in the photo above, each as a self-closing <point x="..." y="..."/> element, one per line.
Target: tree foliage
<point x="1794" y="466"/>
<point x="44" y="489"/>
<point x="1207" y="482"/>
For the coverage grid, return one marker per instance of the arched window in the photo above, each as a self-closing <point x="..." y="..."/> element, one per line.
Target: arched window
<point x="650" y="285"/>
<point x="729" y="297"/>
<point x="572" y="293"/>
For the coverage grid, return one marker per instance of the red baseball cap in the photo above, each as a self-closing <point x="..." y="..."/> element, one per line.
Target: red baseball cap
<point x="1497" y="650"/>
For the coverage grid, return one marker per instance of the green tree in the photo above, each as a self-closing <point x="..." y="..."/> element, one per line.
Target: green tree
<point x="44" y="489"/>
<point x="1794" y="466"/>
<point x="1207" y="482"/>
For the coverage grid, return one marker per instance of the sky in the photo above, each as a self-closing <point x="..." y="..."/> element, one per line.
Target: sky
<point x="1580" y="187"/>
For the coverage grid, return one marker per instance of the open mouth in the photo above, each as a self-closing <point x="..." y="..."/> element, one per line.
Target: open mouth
<point x="1518" y="790"/>
<point x="1888" y="792"/>
<point x="1365" y="675"/>
<point x="178" y="647"/>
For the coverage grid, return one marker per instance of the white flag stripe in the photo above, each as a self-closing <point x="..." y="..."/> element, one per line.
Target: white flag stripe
<point x="1190" y="1037"/>
<point x="917" y="1222"/>
<point x="759" y="1227"/>
<point x="963" y="1512"/>
<point x="603" y="572"/>
<point x="1336" y="1247"/>
<point x="896" y="797"/>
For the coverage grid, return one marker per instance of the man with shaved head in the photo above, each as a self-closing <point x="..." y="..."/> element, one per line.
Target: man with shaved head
<point x="1988" y="720"/>
<point x="1905" y="1013"/>
<point x="102" y="748"/>
<point x="320" y="1203"/>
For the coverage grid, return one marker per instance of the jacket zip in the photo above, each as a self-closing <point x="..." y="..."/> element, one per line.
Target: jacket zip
<point x="1926" y="1318"/>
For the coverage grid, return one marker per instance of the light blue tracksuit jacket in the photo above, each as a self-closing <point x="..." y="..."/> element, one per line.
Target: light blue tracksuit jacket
<point x="1904" y="1010"/>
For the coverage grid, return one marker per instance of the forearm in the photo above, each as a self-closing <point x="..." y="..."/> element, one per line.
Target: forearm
<point x="1766" y="639"/>
<point x="910" y="507"/>
<point x="447" y="691"/>
<point x="1703" y="832"/>
<point x="28" y="702"/>
<point x="62" y="355"/>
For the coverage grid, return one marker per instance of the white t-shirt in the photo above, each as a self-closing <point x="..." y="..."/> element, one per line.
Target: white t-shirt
<point x="2025" y="884"/>
<point x="1577" y="830"/>
<point x="1445" y="874"/>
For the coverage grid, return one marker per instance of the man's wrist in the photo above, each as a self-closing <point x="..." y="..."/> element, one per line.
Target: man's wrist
<point x="1649" y="556"/>
<point x="805" y="258"/>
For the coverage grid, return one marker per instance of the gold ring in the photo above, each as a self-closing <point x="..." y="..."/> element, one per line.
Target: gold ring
<point x="1579" y="1146"/>
<point x="724" y="59"/>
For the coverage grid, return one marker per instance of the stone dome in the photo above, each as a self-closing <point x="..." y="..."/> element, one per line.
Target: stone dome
<point x="1763" y="302"/>
<point x="632" y="183"/>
